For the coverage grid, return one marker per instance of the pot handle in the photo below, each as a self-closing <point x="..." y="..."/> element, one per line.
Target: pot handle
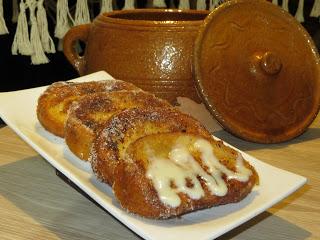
<point x="80" y="32"/>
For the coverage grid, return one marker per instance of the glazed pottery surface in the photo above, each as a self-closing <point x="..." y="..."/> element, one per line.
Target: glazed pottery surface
<point x="254" y="65"/>
<point x="258" y="73"/>
<point x="151" y="48"/>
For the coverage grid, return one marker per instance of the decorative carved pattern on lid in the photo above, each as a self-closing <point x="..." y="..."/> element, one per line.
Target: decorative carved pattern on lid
<point x="257" y="69"/>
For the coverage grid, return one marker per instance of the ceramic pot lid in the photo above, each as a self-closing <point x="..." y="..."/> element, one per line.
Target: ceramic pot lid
<point x="257" y="70"/>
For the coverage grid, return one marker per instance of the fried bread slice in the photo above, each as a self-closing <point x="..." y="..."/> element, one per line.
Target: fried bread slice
<point x="109" y="147"/>
<point x="89" y="112"/>
<point x="169" y="174"/>
<point x="54" y="103"/>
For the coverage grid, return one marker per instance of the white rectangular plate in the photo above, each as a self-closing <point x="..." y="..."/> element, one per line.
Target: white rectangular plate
<point x="18" y="110"/>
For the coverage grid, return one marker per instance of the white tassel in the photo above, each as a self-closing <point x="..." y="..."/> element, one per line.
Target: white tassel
<point x="106" y="6"/>
<point x="46" y="40"/>
<point x="184" y="4"/>
<point x="63" y="14"/>
<point x="285" y="5"/>
<point x="315" y="12"/>
<point x="3" y="27"/>
<point x="38" y="56"/>
<point x="82" y="15"/>
<point x="129" y="4"/>
<point x="275" y="2"/>
<point x="60" y="45"/>
<point x="299" y="13"/>
<point x="213" y="4"/>
<point x="159" y="4"/>
<point x="15" y="11"/>
<point x="201" y="5"/>
<point x="21" y="42"/>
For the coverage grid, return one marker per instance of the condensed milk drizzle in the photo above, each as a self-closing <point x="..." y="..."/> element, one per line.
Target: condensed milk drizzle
<point x="170" y="175"/>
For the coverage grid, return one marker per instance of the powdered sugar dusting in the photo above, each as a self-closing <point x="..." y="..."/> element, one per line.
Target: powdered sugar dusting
<point x="129" y="125"/>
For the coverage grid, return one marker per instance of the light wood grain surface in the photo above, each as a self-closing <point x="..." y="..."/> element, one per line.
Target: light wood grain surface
<point x="36" y="204"/>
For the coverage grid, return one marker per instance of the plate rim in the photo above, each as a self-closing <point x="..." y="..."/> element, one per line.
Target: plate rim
<point x="119" y="213"/>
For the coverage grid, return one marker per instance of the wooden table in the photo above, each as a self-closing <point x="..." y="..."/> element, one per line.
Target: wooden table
<point x="36" y="204"/>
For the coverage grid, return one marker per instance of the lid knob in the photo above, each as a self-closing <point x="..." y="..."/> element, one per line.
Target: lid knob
<point x="270" y="63"/>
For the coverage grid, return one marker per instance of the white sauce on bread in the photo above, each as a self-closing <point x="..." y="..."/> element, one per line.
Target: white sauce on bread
<point x="180" y="173"/>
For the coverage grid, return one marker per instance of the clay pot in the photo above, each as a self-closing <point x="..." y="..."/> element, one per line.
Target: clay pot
<point x="151" y="48"/>
<point x="254" y="66"/>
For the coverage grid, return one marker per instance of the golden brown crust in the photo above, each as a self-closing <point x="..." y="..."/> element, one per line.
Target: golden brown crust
<point x="54" y="103"/>
<point x="118" y="126"/>
<point x="88" y="113"/>
<point x="126" y="127"/>
<point x="137" y="194"/>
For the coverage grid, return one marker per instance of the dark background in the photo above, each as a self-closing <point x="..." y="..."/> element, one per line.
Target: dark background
<point x="18" y="73"/>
